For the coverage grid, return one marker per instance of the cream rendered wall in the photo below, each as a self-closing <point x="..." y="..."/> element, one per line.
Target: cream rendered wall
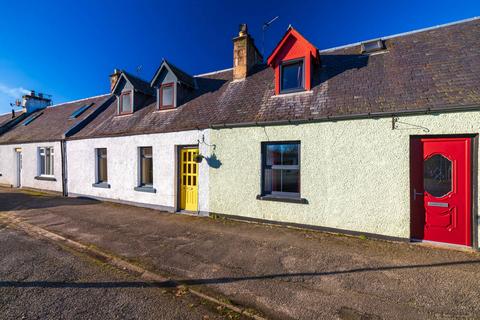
<point x="354" y="174"/>
<point x="8" y="165"/>
<point x="122" y="164"/>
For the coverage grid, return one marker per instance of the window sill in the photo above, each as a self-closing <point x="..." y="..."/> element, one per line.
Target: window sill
<point x="45" y="178"/>
<point x="145" y="189"/>
<point x="122" y="115"/>
<point x="290" y="94"/>
<point x="166" y="107"/>
<point x="165" y="110"/>
<point x="282" y="199"/>
<point x="101" y="185"/>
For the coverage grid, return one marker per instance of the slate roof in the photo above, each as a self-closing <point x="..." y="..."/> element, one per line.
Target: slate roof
<point x="53" y="122"/>
<point x="433" y="69"/>
<point x="181" y="75"/>
<point x="7" y="117"/>
<point x="437" y="69"/>
<point x="139" y="83"/>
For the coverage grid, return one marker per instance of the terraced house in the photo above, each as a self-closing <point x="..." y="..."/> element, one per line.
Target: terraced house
<point x="378" y="137"/>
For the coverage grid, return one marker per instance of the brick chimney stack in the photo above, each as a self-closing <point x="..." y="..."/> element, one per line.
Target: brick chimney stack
<point x="245" y="54"/>
<point x="114" y="77"/>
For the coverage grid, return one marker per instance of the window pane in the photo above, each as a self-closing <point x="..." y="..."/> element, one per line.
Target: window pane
<point x="51" y="161"/>
<point x="167" y="96"/>
<point x="282" y="154"/>
<point x="291" y="181"/>
<point x="146" y="152"/>
<point x="146" y="166"/>
<point x="274" y="154"/>
<point x="292" y="76"/>
<point x="290" y="154"/>
<point x="437" y="175"/>
<point x="42" y="161"/>
<point x="126" y="103"/>
<point x="281" y="172"/>
<point x="147" y="174"/>
<point x="102" y="165"/>
<point x="277" y="180"/>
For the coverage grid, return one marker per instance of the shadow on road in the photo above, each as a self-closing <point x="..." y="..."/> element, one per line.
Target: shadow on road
<point x="170" y="284"/>
<point x="10" y="201"/>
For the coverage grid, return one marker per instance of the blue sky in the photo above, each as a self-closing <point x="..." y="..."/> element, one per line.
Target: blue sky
<point x="68" y="49"/>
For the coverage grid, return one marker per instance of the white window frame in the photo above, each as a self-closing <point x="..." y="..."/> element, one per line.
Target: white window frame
<point x="42" y="152"/>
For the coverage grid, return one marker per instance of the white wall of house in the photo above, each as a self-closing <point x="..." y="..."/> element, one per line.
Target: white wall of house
<point x="123" y="168"/>
<point x="30" y="166"/>
<point x="354" y="174"/>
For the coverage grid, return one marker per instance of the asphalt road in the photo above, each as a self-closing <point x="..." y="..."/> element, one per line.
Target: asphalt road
<point x="280" y="272"/>
<point x="40" y="280"/>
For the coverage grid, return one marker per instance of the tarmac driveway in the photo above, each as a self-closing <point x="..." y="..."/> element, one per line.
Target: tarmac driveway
<point x="285" y="273"/>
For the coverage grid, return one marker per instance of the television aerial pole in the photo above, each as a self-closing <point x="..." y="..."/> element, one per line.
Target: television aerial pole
<point x="265" y="26"/>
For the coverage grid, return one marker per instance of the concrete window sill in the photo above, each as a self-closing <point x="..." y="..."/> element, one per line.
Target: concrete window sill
<point x="45" y="178"/>
<point x="101" y="185"/>
<point x="145" y="189"/>
<point x="282" y="199"/>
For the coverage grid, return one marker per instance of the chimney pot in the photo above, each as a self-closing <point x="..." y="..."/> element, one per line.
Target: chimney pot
<point x="242" y="30"/>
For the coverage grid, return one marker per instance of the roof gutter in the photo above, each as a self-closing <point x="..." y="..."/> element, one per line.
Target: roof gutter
<point x="369" y="115"/>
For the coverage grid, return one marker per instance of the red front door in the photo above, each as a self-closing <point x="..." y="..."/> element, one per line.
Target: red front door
<point x="441" y="190"/>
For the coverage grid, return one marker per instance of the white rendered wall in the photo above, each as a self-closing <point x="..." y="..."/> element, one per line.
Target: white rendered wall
<point x="122" y="163"/>
<point x="8" y="166"/>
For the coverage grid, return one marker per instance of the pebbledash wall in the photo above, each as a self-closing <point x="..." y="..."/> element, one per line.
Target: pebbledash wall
<point x="354" y="173"/>
<point x="30" y="163"/>
<point x="122" y="168"/>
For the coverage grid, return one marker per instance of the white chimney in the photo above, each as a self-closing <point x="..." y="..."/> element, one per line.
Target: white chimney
<point x="33" y="102"/>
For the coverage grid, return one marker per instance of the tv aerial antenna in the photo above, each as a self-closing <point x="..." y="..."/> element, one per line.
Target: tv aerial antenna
<point x="139" y="69"/>
<point x="265" y="27"/>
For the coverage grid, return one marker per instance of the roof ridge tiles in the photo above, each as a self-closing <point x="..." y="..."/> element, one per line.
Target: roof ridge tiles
<point x="402" y="34"/>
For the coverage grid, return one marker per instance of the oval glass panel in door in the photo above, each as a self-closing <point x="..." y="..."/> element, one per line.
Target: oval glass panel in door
<point x="437" y="175"/>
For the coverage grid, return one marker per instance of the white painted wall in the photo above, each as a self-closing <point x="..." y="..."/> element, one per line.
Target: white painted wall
<point x="354" y="174"/>
<point x="8" y="166"/>
<point x="122" y="153"/>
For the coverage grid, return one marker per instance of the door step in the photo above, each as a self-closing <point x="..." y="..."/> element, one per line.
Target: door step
<point x="443" y="245"/>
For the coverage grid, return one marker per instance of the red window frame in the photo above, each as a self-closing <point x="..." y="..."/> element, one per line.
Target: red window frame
<point x="121" y="102"/>
<point x="160" y="101"/>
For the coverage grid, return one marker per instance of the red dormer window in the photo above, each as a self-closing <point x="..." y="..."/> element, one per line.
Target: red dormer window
<point x="293" y="60"/>
<point x="292" y="76"/>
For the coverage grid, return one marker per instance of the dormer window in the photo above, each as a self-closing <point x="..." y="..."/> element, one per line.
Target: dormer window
<point x="126" y="102"/>
<point x="132" y="93"/>
<point x="292" y="79"/>
<point x="167" y="93"/>
<point x="294" y="60"/>
<point x="174" y="86"/>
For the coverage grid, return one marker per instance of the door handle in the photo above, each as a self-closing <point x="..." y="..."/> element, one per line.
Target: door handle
<point x="415" y="194"/>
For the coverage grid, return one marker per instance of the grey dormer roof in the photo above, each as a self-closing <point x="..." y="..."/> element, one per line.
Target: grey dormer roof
<point x="181" y="75"/>
<point x="137" y="83"/>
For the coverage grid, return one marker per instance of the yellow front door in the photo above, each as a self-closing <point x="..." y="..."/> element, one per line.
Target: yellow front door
<point x="188" y="179"/>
